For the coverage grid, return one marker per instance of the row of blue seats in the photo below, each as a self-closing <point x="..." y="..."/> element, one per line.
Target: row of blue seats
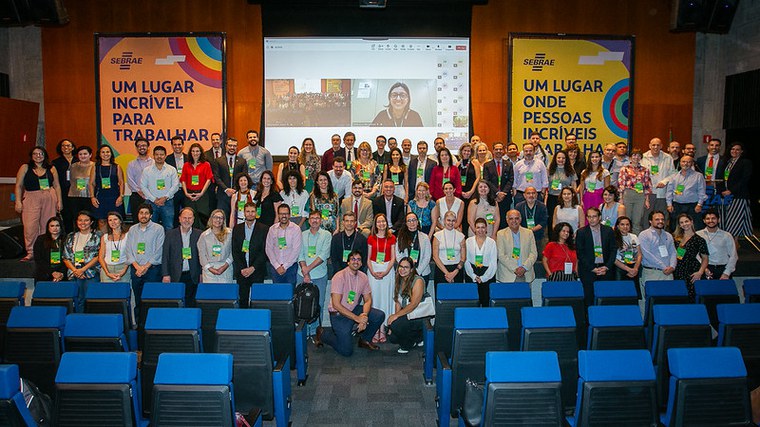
<point x="168" y="381"/>
<point x="480" y="330"/>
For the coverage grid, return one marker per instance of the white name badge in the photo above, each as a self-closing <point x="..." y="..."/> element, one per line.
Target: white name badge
<point x="663" y="251"/>
<point x="568" y="268"/>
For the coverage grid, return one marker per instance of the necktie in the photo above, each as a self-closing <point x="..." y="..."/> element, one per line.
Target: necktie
<point x="498" y="169"/>
<point x="356" y="209"/>
<point x="710" y="168"/>
<point x="216" y="154"/>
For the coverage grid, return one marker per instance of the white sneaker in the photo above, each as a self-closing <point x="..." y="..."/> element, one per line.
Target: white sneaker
<point x="421" y="344"/>
<point x="402" y="351"/>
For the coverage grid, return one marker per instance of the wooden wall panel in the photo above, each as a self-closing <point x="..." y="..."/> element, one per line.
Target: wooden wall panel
<point x="664" y="62"/>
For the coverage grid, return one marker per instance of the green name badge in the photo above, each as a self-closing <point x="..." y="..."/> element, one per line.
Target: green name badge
<point x="246" y="243"/>
<point x="464" y="180"/>
<point x="725" y="174"/>
<point x="380" y="257"/>
<point x="680" y="252"/>
<point x="414" y="254"/>
<point x="654" y="169"/>
<point x="81" y="184"/>
<point x="607" y="222"/>
<point x="639" y="187"/>
<point x="252" y="163"/>
<point x="349" y="163"/>
<point x="679" y="189"/>
<point x="140" y="248"/>
<point x="351" y="297"/>
<point x="709" y="171"/>
<point x="311" y="251"/>
<point x="232" y="170"/>
<point x="160" y="184"/>
<point x="381" y="166"/>
<point x="195" y="179"/>
<point x="591" y="186"/>
<point x="365" y="175"/>
<point x="450" y="253"/>
<point x="394" y="178"/>
<point x="115" y="255"/>
<point x="556" y="184"/>
<point x="186" y="253"/>
<point x="241" y="205"/>
<point x="295" y="210"/>
<point x="55" y="257"/>
<point x="628" y="257"/>
<point x="445" y="180"/>
<point x="216" y="250"/>
<point x="258" y="211"/>
<point x="306" y="172"/>
<point x="44" y="184"/>
<point x="529" y="176"/>
<point x="78" y="256"/>
<point x="597" y="251"/>
<point x="531" y="222"/>
<point x="478" y="260"/>
<point x="516" y="253"/>
<point x="105" y="183"/>
<point x="325" y="213"/>
<point x="489" y="218"/>
<point x="345" y="254"/>
<point x="419" y="173"/>
<point x="281" y="243"/>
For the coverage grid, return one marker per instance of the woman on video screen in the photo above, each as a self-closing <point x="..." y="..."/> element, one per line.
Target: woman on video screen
<point x="398" y="113"/>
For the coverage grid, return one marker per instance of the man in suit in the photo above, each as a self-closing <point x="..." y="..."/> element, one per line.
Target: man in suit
<point x="516" y="247"/>
<point x="420" y="168"/>
<point x="360" y="206"/>
<point x="498" y="172"/>
<point x="177" y="159"/>
<point x="211" y="155"/>
<point x="391" y="205"/>
<point x="226" y="168"/>
<point x="248" y="253"/>
<point x="351" y="152"/>
<point x="596" y="249"/>
<point x="180" y="258"/>
<point x="713" y="161"/>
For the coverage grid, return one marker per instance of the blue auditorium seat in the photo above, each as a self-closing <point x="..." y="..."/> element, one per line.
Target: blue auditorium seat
<point x="751" y="288"/>
<point x="714" y="292"/>
<point x="94" y="333"/>
<point x="261" y="381"/>
<point x="94" y="387"/>
<point x="477" y="330"/>
<point x="740" y="327"/>
<point x="567" y="294"/>
<point x="113" y="298"/>
<point x="513" y="297"/>
<point x="708" y="386"/>
<point x="64" y="294"/>
<point x="13" y="410"/>
<point x="662" y="292"/>
<point x="615" y="387"/>
<point x="11" y="295"/>
<point x="210" y="297"/>
<point x="158" y="294"/>
<point x="438" y="338"/>
<point x="615" y="327"/>
<point x="615" y="292"/>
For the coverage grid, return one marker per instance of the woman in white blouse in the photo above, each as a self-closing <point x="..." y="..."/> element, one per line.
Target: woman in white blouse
<point x="568" y="210"/>
<point x="112" y="256"/>
<point x="482" y="260"/>
<point x="215" y="250"/>
<point x="448" y="203"/>
<point x="449" y="253"/>
<point x="414" y="243"/>
<point x="295" y="196"/>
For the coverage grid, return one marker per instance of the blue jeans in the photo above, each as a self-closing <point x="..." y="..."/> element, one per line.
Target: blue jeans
<point x="152" y="275"/>
<point x="339" y="336"/>
<point x="82" y="284"/>
<point x="288" y="277"/>
<point x="163" y="215"/>
<point x="321" y="283"/>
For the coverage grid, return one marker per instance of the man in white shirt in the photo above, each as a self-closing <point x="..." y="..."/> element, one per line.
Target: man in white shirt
<point x="720" y="245"/>
<point x="341" y="179"/>
<point x="660" y="166"/>
<point x="159" y="184"/>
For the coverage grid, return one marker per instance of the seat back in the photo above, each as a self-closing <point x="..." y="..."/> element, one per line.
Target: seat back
<point x="106" y="382"/>
<point x="476" y="332"/>
<point x="184" y="395"/>
<point x="450" y="296"/>
<point x="568" y="294"/>
<point x="751" y="288"/>
<point x="676" y="326"/>
<point x="158" y="295"/>
<point x="615" y="327"/>
<point x="94" y="332"/>
<point x="513" y="297"/>
<point x="740" y="327"/>
<point x="11" y="295"/>
<point x="278" y="299"/>
<point x="168" y="330"/>
<point x="553" y="329"/>
<point x="210" y="297"/>
<point x="33" y="342"/>
<point x="63" y="294"/>
<point x="13" y="410"/>
<point x="708" y="386"/>
<point x="110" y="298"/>
<point x="714" y="292"/>
<point x="522" y="388"/>
<point x="615" y="292"/>
<point x="662" y="292"/>
<point x="615" y="387"/>
<point x="246" y="335"/>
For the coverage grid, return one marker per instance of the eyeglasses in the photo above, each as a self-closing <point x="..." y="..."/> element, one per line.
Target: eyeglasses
<point x="399" y="96"/>
<point x="411" y="220"/>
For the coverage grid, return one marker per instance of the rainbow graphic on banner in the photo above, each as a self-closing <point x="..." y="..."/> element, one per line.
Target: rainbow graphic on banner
<point x="203" y="58"/>
<point x="615" y="108"/>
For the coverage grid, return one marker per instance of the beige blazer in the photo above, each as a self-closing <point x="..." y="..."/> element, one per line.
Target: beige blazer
<point x="507" y="264"/>
<point x="364" y="222"/>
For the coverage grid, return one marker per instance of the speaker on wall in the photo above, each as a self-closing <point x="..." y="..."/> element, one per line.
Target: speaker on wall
<point x="706" y="16"/>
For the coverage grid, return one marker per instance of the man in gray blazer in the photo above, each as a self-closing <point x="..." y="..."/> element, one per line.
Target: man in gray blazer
<point x="360" y="206"/>
<point x="180" y="261"/>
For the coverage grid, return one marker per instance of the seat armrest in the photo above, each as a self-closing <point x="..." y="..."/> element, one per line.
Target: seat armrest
<point x="443" y="361"/>
<point x="253" y="417"/>
<point x="427" y="324"/>
<point x="281" y="364"/>
<point x="300" y="325"/>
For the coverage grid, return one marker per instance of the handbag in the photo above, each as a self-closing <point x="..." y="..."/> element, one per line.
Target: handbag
<point x="472" y="407"/>
<point x="426" y="308"/>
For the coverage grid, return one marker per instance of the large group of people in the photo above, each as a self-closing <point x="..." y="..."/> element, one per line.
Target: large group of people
<point x="381" y="223"/>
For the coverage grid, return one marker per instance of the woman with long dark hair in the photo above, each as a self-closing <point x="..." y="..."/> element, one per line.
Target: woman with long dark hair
<point x="324" y="200"/>
<point x="737" y="175"/>
<point x="196" y="179"/>
<point x="267" y="198"/>
<point x="408" y="291"/>
<point x="594" y="179"/>
<point x="79" y="191"/>
<point x="215" y="250"/>
<point x="412" y="242"/>
<point x="628" y="259"/>
<point x="48" y="249"/>
<point x="559" y="257"/>
<point x="106" y="186"/>
<point x="445" y="172"/>
<point x="691" y="252"/>
<point x="484" y="206"/>
<point x="243" y="195"/>
<point x="293" y="163"/>
<point x="561" y="175"/>
<point x="311" y="162"/>
<point x="112" y="255"/>
<point x="380" y="267"/>
<point x="396" y="172"/>
<point x="80" y="255"/>
<point x="294" y="194"/>
<point x="449" y="252"/>
<point x="62" y="165"/>
<point x="482" y="259"/>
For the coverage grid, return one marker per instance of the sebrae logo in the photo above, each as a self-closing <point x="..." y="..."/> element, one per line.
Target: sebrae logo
<point x="126" y="61"/>
<point x="538" y="62"/>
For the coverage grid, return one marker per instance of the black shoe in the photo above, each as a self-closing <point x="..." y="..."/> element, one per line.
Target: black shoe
<point x="318" y="336"/>
<point x="368" y="345"/>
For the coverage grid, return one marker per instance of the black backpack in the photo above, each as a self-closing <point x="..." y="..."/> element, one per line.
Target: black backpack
<point x="306" y="302"/>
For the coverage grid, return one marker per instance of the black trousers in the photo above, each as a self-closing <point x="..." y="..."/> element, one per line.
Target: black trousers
<point x="405" y="332"/>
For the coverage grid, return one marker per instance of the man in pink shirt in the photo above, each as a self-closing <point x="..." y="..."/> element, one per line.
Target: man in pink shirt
<point x="283" y="247"/>
<point x="347" y="316"/>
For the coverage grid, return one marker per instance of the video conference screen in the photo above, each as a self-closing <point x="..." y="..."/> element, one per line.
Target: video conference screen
<point x="398" y="87"/>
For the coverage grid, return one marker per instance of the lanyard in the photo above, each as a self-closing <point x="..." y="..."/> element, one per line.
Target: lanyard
<point x="353" y="239"/>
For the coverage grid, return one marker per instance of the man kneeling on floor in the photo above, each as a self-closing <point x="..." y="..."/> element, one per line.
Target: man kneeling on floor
<point x="347" y="316"/>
